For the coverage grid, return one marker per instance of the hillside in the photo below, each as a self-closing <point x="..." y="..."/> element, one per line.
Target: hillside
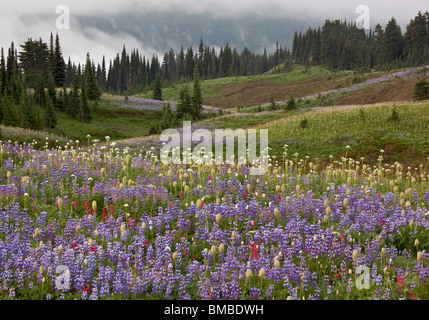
<point x="346" y="87"/>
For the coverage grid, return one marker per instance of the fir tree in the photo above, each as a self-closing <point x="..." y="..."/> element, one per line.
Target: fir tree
<point x="1" y="109"/>
<point x="184" y="107"/>
<point x="273" y="104"/>
<point x="197" y="99"/>
<point x="157" y="89"/>
<point x="421" y="90"/>
<point x="52" y="91"/>
<point x="290" y="105"/>
<point x="26" y="110"/>
<point x="59" y="65"/>
<point x="93" y="92"/>
<point x="8" y="112"/>
<point x="85" y="109"/>
<point x="50" y="116"/>
<point x="3" y="75"/>
<point x="393" y="41"/>
<point x="39" y="90"/>
<point x="74" y="100"/>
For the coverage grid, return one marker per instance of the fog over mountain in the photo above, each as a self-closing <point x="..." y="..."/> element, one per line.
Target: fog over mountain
<point x="102" y="28"/>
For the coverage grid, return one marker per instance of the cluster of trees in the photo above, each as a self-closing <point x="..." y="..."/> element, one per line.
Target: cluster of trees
<point x="189" y="107"/>
<point x="341" y="45"/>
<point x="134" y="73"/>
<point x="36" y="83"/>
<point x="33" y="86"/>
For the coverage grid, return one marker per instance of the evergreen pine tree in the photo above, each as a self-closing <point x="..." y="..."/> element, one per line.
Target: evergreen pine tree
<point x="26" y="116"/>
<point x="1" y="108"/>
<point x="184" y="107"/>
<point x="65" y="97"/>
<point x="197" y="99"/>
<point x="3" y="75"/>
<point x="93" y="91"/>
<point x="85" y="109"/>
<point x="273" y="104"/>
<point x="393" y="41"/>
<point x="421" y="90"/>
<point x="51" y="90"/>
<point x="157" y="89"/>
<point x="59" y="65"/>
<point x="39" y="90"/>
<point x="8" y="112"/>
<point x="50" y="116"/>
<point x="74" y="100"/>
<point x="290" y="105"/>
<point x="51" y="59"/>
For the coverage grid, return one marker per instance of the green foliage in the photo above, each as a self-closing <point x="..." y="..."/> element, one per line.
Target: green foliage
<point x="197" y="99"/>
<point x="273" y="104"/>
<point x="421" y="90"/>
<point x="394" y="116"/>
<point x="291" y="104"/>
<point x="303" y="124"/>
<point x="74" y="100"/>
<point x="50" y="116"/>
<point x="34" y="61"/>
<point x="332" y="129"/>
<point x="59" y="65"/>
<point x="184" y="106"/>
<point x="361" y="114"/>
<point x="93" y="91"/>
<point x="85" y="109"/>
<point x="157" y="89"/>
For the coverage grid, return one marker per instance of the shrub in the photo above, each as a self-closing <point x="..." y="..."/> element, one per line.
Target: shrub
<point x="362" y="115"/>
<point x="290" y="105"/>
<point x="303" y="124"/>
<point x="394" y="116"/>
<point x="421" y="90"/>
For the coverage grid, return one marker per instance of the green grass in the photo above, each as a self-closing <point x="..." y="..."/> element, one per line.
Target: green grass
<point x="210" y="88"/>
<point x="245" y="120"/>
<point x="108" y="120"/>
<point x="331" y="130"/>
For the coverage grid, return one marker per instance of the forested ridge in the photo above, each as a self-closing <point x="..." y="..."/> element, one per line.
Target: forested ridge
<point x="36" y="82"/>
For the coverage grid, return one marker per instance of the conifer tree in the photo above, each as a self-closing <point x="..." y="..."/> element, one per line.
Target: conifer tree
<point x="50" y="116"/>
<point x="1" y="108"/>
<point x="184" y="107"/>
<point x="421" y="90"/>
<point x="51" y="59"/>
<point x="51" y="90"/>
<point x="3" y="75"/>
<point x="393" y="41"/>
<point x="74" y="100"/>
<point x="290" y="105"/>
<point x="93" y="92"/>
<point x="85" y="109"/>
<point x="197" y="99"/>
<point x="59" y="65"/>
<point x="25" y="109"/>
<point x="157" y="89"/>
<point x="39" y="90"/>
<point x="8" y="112"/>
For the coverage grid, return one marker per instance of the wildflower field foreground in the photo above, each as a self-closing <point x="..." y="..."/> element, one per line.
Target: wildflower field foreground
<point x="106" y="223"/>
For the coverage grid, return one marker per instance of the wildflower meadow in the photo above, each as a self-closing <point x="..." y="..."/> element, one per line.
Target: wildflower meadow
<point x="98" y="220"/>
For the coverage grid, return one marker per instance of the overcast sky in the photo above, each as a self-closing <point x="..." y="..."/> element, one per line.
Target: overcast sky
<point x="21" y="19"/>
